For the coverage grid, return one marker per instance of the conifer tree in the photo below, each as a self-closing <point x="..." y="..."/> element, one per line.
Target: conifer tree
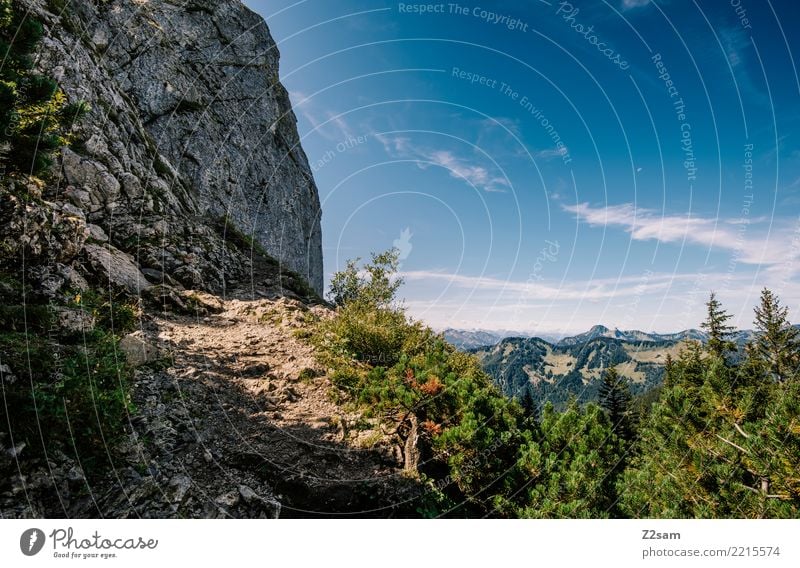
<point x="528" y="405"/>
<point x="616" y="399"/>
<point x="669" y="371"/>
<point x="776" y="342"/>
<point x="564" y="470"/>
<point x="719" y="332"/>
<point x="720" y="442"/>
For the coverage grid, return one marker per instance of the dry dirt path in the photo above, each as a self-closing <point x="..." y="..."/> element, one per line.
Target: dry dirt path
<point x="236" y="419"/>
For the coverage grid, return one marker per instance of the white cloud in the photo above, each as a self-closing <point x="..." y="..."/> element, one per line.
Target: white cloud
<point x="629" y="4"/>
<point x="645" y="301"/>
<point x="734" y="42"/>
<point x="458" y="167"/>
<point x="328" y="124"/>
<point x="595" y="289"/>
<point x="393" y="145"/>
<point x="750" y="244"/>
<point x="551" y="153"/>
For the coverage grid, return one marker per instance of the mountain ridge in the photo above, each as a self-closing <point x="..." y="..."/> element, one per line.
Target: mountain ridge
<point x="467" y="339"/>
<point x="557" y="372"/>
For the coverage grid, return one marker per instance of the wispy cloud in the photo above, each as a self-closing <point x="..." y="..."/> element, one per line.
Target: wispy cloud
<point x="630" y="4"/>
<point x="477" y="176"/>
<point x="734" y="41"/>
<point x="458" y="167"/>
<point x="736" y="47"/>
<point x="595" y="289"/>
<point x="645" y="224"/>
<point x="750" y="243"/>
<point x="327" y="123"/>
<point x="551" y="153"/>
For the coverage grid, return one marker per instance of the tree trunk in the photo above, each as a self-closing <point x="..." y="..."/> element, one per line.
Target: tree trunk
<point x="411" y="453"/>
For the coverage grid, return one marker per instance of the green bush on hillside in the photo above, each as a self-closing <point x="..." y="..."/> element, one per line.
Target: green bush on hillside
<point x="66" y="391"/>
<point x="474" y="446"/>
<point x="34" y="114"/>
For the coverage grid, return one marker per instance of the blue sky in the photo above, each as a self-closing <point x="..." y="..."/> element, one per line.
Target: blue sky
<point x="547" y="166"/>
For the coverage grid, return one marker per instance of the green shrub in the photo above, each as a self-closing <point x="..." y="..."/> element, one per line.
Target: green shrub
<point x="74" y="398"/>
<point x="374" y="285"/>
<point x="373" y="336"/>
<point x="113" y="313"/>
<point x="68" y="392"/>
<point x="35" y="117"/>
<point x="402" y="373"/>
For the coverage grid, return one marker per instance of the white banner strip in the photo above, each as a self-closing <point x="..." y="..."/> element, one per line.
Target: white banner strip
<point x="389" y="543"/>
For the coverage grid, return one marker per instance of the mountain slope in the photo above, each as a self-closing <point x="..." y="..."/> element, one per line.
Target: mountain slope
<point x="556" y="372"/>
<point x="471" y="339"/>
<point x="190" y="137"/>
<point x="233" y="419"/>
<point x="632" y="335"/>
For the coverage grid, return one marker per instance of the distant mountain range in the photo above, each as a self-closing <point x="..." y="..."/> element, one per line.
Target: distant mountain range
<point x="470" y="339"/>
<point x="466" y="339"/>
<point x="633" y="335"/>
<point x="558" y="369"/>
<point x="571" y="367"/>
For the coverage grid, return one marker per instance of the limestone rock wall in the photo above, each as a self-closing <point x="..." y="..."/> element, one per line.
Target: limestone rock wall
<point x="189" y="125"/>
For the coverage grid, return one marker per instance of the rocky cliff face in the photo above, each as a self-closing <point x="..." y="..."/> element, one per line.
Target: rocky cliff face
<point x="190" y="143"/>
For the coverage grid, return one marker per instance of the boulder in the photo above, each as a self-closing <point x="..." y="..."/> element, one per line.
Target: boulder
<point x="73" y="321"/>
<point x="116" y="267"/>
<point x="138" y="351"/>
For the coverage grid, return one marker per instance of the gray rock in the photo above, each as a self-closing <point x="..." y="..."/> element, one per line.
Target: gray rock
<point x="41" y="231"/>
<point x="116" y="267"/>
<point x="97" y="233"/>
<point x="73" y="321"/>
<point x="138" y="351"/>
<point x="267" y="507"/>
<point x="73" y="279"/>
<point x="179" y="487"/>
<point x="166" y="297"/>
<point x="90" y="175"/>
<point x="228" y="500"/>
<point x="188" y="120"/>
<point x="7" y="375"/>
<point x="154" y="276"/>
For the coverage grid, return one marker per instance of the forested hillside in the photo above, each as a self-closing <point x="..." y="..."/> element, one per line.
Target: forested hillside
<point x="560" y="372"/>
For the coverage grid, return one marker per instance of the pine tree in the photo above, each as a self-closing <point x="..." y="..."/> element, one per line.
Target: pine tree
<point x="616" y="399"/>
<point x="528" y="405"/>
<point x="776" y="342"/>
<point x="564" y="470"/>
<point x="718" y="443"/>
<point x="669" y="371"/>
<point x="719" y="332"/>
